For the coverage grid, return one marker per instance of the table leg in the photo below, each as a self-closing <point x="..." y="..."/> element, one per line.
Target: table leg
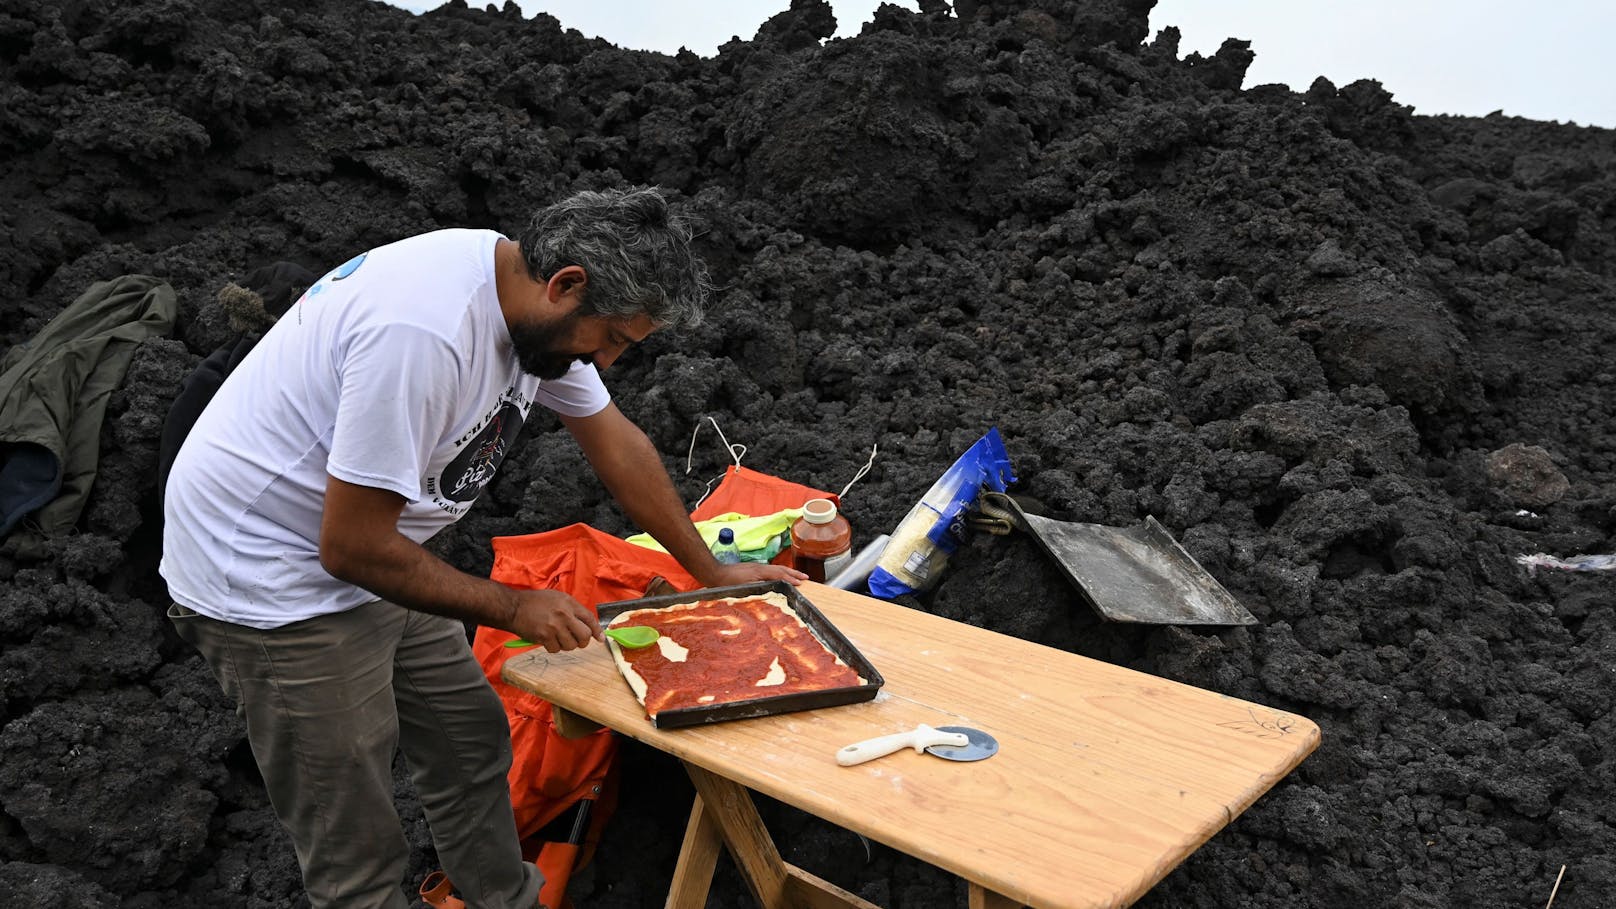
<point x="748" y="840"/>
<point x="724" y="810"/>
<point x="571" y="725"/>
<point x="693" y="876"/>
<point x="981" y="897"/>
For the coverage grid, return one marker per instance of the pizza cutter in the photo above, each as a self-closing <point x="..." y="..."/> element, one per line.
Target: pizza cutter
<point x="955" y="743"/>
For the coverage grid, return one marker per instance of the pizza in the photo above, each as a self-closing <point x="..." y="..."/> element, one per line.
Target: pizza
<point x="724" y="651"/>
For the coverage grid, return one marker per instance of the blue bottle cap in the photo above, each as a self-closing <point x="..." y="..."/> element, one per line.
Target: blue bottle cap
<point x="726" y="536"/>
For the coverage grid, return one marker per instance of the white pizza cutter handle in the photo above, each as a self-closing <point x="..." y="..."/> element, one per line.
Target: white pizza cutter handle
<point x="919" y="738"/>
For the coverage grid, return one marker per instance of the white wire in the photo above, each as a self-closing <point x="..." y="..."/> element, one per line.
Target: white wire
<point x="735" y="451"/>
<point x="860" y="475"/>
<point x="706" y="492"/>
<point x="738" y="451"/>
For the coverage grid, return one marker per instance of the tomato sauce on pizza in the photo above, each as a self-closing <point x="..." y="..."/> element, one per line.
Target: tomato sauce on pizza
<point x="723" y="651"/>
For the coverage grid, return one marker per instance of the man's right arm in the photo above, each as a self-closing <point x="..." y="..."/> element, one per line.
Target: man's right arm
<point x="360" y="544"/>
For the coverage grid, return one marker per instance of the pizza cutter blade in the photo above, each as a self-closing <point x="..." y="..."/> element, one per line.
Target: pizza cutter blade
<point x="954" y="743"/>
<point x="979" y="746"/>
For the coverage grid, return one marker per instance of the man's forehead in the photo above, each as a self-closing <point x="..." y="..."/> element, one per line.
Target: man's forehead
<point x="635" y="328"/>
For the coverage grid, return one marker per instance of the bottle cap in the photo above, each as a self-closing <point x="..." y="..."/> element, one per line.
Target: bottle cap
<point x="726" y="536"/>
<point x="819" y="511"/>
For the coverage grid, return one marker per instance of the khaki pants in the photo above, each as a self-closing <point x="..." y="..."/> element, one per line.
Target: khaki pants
<point x="327" y="701"/>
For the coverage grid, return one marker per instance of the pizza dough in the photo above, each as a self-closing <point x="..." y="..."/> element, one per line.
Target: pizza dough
<point x="724" y="651"/>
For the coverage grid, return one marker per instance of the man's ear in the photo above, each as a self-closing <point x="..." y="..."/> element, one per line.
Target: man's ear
<point x="567" y="281"/>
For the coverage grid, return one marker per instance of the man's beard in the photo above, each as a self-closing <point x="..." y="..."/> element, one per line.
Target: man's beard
<point x="538" y="347"/>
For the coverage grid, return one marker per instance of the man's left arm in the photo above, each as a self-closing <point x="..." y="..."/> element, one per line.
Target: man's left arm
<point x="626" y="461"/>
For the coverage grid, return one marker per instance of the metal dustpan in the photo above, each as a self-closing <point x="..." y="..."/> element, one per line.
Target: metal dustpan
<point x="1128" y="574"/>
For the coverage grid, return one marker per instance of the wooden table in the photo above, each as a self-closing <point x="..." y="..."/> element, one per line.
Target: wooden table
<point x="1105" y="778"/>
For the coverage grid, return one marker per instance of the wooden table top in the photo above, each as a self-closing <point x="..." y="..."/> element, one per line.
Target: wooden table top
<point x="1105" y="780"/>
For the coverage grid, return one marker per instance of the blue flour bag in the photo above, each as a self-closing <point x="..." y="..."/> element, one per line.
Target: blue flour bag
<point x="935" y="527"/>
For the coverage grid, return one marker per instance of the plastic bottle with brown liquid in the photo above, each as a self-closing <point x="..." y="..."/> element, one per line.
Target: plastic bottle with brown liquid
<point x="821" y="540"/>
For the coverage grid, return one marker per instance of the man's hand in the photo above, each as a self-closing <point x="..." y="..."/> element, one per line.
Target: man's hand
<point x="553" y="620"/>
<point x="721" y="575"/>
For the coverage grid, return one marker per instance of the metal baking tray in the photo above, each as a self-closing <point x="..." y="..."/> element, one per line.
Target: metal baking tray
<point x="768" y="705"/>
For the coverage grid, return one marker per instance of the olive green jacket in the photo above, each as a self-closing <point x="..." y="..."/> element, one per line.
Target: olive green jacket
<point x="53" y="395"/>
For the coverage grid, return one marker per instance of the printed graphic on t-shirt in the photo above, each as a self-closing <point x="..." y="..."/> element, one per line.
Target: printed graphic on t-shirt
<point x="482" y="449"/>
<point x="342" y="271"/>
<point x="349" y="267"/>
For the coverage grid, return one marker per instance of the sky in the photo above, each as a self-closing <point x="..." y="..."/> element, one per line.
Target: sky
<point x="1545" y="60"/>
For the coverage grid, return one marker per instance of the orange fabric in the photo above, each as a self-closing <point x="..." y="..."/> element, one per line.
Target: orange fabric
<point x="550" y="773"/>
<point x="752" y="493"/>
<point x="591" y="566"/>
<point x="557" y="861"/>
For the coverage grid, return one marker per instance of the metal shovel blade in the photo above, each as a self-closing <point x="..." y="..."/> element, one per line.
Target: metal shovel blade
<point x="980" y="746"/>
<point x="1128" y="574"/>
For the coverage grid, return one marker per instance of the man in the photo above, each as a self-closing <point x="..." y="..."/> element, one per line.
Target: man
<point x="369" y="417"/>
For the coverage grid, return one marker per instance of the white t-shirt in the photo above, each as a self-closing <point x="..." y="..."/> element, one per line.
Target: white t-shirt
<point x="394" y="371"/>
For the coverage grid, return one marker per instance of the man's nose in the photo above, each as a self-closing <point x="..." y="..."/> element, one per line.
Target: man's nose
<point x="606" y="356"/>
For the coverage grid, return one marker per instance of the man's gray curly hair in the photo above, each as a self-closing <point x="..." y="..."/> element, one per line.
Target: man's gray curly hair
<point x="634" y="248"/>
